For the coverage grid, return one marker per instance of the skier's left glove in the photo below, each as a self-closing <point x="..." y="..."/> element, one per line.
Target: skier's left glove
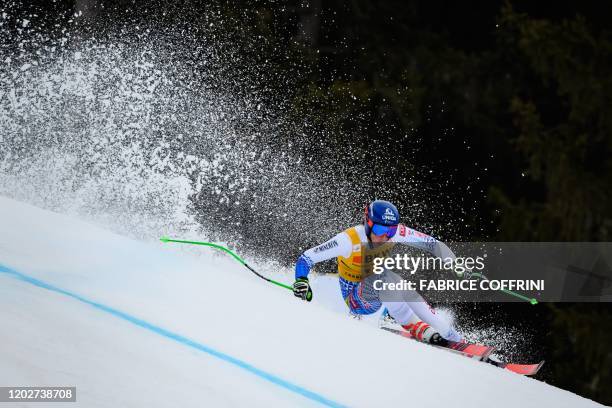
<point x="301" y="289"/>
<point x="465" y="274"/>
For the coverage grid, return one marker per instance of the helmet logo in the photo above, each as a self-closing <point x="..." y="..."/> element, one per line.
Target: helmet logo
<point x="388" y="215"/>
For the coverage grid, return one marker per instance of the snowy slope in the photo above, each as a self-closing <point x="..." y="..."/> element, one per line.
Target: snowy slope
<point x="136" y="324"/>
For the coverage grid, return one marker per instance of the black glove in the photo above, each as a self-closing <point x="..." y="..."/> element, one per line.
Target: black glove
<point x="466" y="274"/>
<point x="301" y="289"/>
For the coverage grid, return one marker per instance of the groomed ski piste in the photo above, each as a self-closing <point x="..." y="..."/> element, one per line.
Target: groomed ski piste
<point x="145" y="324"/>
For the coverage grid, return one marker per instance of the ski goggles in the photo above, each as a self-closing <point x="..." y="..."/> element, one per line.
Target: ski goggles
<point x="378" y="229"/>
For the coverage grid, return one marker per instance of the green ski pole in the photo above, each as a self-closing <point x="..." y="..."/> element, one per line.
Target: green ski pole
<point x="234" y="255"/>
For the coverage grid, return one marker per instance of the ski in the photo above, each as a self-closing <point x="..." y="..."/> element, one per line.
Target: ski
<point x="475" y="351"/>
<point x="522" y="369"/>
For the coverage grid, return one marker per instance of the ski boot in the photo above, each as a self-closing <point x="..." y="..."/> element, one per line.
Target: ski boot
<point x="421" y="331"/>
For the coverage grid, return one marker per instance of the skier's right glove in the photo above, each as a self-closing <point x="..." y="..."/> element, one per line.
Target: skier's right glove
<point x="301" y="289"/>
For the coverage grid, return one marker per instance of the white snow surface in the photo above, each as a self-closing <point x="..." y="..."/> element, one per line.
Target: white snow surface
<point x="49" y="338"/>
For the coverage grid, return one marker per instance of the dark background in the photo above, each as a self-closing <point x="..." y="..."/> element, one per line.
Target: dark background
<point x="511" y="101"/>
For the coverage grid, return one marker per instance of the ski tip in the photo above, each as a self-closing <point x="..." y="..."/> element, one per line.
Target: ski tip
<point x="525" y="369"/>
<point x="164" y="239"/>
<point x="536" y="369"/>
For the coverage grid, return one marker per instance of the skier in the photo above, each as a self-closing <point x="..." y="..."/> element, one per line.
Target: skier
<point x="381" y="229"/>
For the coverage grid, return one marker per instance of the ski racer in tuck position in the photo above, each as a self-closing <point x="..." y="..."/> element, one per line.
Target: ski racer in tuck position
<point x="380" y="231"/>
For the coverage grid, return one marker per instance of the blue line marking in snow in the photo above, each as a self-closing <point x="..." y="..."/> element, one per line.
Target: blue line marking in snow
<point x="178" y="338"/>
